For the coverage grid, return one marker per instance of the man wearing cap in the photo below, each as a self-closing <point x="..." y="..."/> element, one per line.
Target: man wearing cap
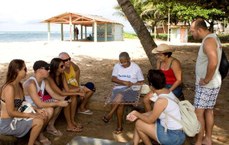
<point x="208" y="79"/>
<point x="35" y="88"/>
<point x="72" y="75"/>
<point x="171" y="68"/>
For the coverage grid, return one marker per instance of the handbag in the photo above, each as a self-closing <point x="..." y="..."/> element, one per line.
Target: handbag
<point x="224" y="65"/>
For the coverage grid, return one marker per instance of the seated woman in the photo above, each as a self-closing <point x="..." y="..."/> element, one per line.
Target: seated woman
<point x="153" y="124"/>
<point x="12" y="96"/>
<point x="35" y="88"/>
<point x="125" y="74"/>
<point x="171" y="68"/>
<point x="59" y="85"/>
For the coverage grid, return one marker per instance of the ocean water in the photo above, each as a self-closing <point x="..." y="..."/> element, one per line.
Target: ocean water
<point x="29" y="36"/>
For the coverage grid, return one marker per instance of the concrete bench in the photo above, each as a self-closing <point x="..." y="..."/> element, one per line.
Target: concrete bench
<point x="7" y="140"/>
<point x="83" y="140"/>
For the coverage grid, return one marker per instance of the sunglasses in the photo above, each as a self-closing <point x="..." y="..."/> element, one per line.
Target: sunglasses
<point x="65" y="60"/>
<point x="25" y="69"/>
<point x="62" y="66"/>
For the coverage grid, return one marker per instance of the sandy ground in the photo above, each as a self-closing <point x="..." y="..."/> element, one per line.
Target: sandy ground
<point x="96" y="61"/>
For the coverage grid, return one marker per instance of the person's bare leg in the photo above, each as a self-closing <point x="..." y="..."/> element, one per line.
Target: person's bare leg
<point x="147" y="101"/>
<point x="136" y="137"/>
<point x="200" y="116"/>
<point x="209" y="119"/>
<point x="37" y="125"/>
<point x="115" y="105"/>
<point x="73" y="106"/>
<point x="83" y="105"/>
<point x="145" y="131"/>
<point x="51" y="123"/>
<point x="67" y="114"/>
<point x="120" y="111"/>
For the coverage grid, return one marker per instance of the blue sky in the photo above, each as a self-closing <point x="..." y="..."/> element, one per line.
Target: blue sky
<point x="26" y="15"/>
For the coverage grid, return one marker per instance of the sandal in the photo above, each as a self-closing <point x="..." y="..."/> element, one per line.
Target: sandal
<point x="45" y="141"/>
<point x="118" y="130"/>
<point x="55" y="132"/>
<point x="75" y="129"/>
<point x="105" y="119"/>
<point x="79" y="125"/>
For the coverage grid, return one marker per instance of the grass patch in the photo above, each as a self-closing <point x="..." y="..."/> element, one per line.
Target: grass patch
<point x="130" y="35"/>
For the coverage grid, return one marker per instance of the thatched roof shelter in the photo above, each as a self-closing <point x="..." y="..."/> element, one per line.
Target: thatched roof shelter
<point x="83" y="20"/>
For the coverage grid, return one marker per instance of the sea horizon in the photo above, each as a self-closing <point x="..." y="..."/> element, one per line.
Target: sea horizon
<point x="30" y="36"/>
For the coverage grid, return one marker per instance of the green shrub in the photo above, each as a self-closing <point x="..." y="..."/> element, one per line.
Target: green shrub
<point x="130" y="35"/>
<point x="160" y="36"/>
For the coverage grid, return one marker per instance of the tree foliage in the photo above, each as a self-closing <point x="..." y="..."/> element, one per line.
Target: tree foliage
<point x="155" y="12"/>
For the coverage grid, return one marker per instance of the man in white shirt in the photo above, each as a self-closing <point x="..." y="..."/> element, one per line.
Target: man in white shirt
<point x="125" y="75"/>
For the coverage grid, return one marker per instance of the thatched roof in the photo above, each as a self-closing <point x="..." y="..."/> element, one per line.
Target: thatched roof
<point x="78" y="19"/>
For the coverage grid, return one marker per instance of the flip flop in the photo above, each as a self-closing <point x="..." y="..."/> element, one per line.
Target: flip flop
<point x="86" y="112"/>
<point x="55" y="132"/>
<point x="79" y="125"/>
<point x="37" y="142"/>
<point x="105" y="119"/>
<point x="118" y="131"/>
<point x="76" y="129"/>
<point x="45" y="141"/>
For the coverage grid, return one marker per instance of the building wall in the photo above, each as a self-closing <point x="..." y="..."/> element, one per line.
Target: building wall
<point x="179" y="35"/>
<point x="118" y="32"/>
<point x="114" y="32"/>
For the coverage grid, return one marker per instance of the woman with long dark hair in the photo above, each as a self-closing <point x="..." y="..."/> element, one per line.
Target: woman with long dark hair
<point x="12" y="96"/>
<point x="59" y="85"/>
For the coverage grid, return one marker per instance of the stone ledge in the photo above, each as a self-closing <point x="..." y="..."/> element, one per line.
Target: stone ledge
<point x="7" y="140"/>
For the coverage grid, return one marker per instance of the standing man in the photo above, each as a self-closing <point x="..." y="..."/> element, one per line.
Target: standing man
<point x="72" y="75"/>
<point x="208" y="79"/>
<point x="76" y="33"/>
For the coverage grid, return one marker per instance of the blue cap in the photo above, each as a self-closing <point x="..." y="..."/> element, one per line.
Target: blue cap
<point x="90" y="86"/>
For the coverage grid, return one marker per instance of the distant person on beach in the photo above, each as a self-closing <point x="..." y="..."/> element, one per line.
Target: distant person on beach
<point x="12" y="96"/>
<point x="125" y="74"/>
<point x="40" y="95"/>
<point x="59" y="85"/>
<point x="208" y="79"/>
<point x="76" y="33"/>
<point x="72" y="75"/>
<point x="171" y="67"/>
<point x="155" y="124"/>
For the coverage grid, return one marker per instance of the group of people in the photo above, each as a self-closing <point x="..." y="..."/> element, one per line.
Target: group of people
<point x="52" y="87"/>
<point x="166" y="83"/>
<point x="56" y="85"/>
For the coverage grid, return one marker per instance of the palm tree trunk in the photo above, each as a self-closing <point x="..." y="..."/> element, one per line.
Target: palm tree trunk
<point x="140" y="29"/>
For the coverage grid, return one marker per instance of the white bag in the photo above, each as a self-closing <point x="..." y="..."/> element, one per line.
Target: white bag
<point x="145" y="89"/>
<point x="190" y="123"/>
<point x="25" y="107"/>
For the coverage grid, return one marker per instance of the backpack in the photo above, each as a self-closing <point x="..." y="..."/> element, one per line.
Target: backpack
<point x="190" y="123"/>
<point x="224" y="65"/>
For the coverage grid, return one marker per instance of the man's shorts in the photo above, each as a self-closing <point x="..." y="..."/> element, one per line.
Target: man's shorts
<point x="205" y="98"/>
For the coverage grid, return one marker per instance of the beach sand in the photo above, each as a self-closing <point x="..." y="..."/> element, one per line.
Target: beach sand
<point x="96" y="61"/>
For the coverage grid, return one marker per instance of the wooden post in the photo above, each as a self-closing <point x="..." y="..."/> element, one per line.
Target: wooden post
<point x="49" y="32"/>
<point x="105" y="35"/>
<point x="95" y="31"/>
<point x="70" y="25"/>
<point x="62" y="31"/>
